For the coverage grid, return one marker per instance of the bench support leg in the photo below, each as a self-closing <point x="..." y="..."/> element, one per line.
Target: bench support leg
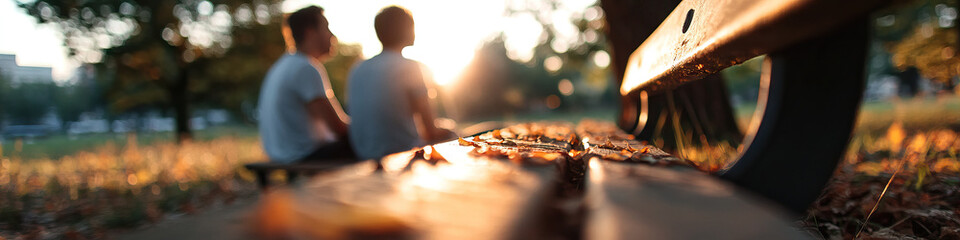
<point x="292" y="176"/>
<point x="804" y="117"/>
<point x="262" y="179"/>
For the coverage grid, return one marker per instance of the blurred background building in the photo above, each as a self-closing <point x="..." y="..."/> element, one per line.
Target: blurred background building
<point x="23" y="74"/>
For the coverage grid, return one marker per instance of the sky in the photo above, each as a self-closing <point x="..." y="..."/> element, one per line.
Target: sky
<point x="34" y="44"/>
<point x="448" y="32"/>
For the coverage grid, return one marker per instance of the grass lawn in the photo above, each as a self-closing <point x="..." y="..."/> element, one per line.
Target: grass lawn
<point x="59" y="145"/>
<point x="876" y="116"/>
<point x="914" y="114"/>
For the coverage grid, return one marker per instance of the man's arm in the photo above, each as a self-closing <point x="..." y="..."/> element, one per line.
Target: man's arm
<point x="328" y="108"/>
<point x="422" y="108"/>
<point x="323" y="105"/>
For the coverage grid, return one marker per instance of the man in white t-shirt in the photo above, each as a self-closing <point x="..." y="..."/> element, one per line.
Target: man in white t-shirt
<point x="299" y="117"/>
<point x="387" y="94"/>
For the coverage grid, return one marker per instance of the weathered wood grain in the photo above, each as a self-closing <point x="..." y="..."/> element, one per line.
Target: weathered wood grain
<point x="639" y="201"/>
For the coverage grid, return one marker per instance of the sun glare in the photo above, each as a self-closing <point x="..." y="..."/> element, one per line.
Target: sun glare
<point x="446" y="63"/>
<point x="448" y="32"/>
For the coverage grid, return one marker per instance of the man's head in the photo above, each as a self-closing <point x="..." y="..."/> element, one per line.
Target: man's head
<point x="394" y="27"/>
<point x="310" y="31"/>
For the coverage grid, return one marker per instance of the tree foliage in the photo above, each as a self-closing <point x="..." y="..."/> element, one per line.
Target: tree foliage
<point x="170" y="54"/>
<point x="4" y="92"/>
<point x="922" y="34"/>
<point x="511" y="82"/>
<point x="72" y="101"/>
<point x="27" y="103"/>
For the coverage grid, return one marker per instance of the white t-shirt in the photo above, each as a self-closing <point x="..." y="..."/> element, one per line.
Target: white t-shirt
<point x="378" y="101"/>
<point x="286" y="129"/>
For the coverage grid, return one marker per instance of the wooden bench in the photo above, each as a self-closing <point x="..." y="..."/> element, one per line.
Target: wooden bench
<point x="472" y="195"/>
<point x="262" y="170"/>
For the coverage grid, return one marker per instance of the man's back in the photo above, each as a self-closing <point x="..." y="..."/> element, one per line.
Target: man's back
<point x="379" y="104"/>
<point x="286" y="129"/>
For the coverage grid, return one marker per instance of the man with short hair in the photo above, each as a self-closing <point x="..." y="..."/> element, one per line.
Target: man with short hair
<point x="387" y="94"/>
<point x="300" y="118"/>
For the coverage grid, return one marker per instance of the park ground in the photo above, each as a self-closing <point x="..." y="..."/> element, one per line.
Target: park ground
<point x="135" y="185"/>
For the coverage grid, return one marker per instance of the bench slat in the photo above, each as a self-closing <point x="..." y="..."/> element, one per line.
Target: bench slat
<point x="465" y="198"/>
<point x="638" y="201"/>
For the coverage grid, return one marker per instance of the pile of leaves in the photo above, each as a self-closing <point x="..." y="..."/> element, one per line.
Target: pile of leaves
<point x="904" y="212"/>
<point x="83" y="195"/>
<point x="918" y="177"/>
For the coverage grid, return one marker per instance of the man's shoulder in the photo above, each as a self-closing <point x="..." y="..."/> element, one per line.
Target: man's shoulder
<point x="407" y="62"/>
<point x="392" y="58"/>
<point x="381" y="65"/>
<point x="290" y="64"/>
<point x="411" y="63"/>
<point x="411" y="66"/>
<point x="299" y="62"/>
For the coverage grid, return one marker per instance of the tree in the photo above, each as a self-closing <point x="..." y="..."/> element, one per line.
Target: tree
<point x="929" y="49"/>
<point x="4" y="95"/>
<point x="702" y="106"/>
<point x="515" y="79"/>
<point x="27" y="103"/>
<point x="486" y="87"/>
<point x="921" y="37"/>
<point x="169" y="54"/>
<point x="71" y="101"/>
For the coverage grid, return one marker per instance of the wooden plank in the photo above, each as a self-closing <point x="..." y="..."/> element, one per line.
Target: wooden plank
<point x="465" y="195"/>
<point x="720" y="34"/>
<point x="639" y="201"/>
<point x="636" y="191"/>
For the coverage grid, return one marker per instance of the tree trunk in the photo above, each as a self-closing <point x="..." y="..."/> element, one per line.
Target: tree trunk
<point x="702" y="107"/>
<point x="181" y="108"/>
<point x="909" y="82"/>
